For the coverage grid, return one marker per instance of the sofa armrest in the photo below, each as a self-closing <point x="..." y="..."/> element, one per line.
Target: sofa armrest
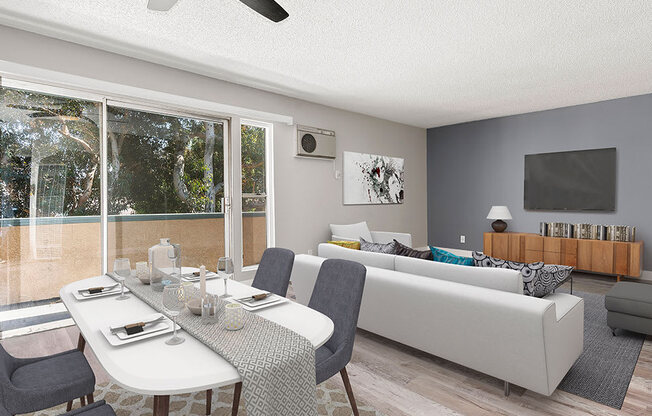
<point x="385" y="237"/>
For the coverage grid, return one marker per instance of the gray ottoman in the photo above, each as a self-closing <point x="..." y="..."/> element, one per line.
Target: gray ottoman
<point x="629" y="306"/>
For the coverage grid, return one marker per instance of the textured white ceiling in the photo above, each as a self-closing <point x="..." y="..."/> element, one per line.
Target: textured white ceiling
<point x="420" y="62"/>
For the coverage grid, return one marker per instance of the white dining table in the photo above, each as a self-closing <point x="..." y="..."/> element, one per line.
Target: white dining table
<point x="151" y="367"/>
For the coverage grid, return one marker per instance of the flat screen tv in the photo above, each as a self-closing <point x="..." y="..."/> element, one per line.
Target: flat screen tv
<point x="583" y="180"/>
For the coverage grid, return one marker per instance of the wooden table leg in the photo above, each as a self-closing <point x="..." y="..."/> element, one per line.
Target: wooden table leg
<point x="81" y="343"/>
<point x="161" y="405"/>
<point x="236" y="399"/>
<point x="209" y="399"/>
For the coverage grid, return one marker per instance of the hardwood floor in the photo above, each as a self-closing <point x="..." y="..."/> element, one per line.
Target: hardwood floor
<point x="401" y="381"/>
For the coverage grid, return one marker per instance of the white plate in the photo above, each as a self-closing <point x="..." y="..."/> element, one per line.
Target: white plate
<point x="80" y="296"/>
<point x="151" y="331"/>
<point x="271" y="300"/>
<point x="195" y="279"/>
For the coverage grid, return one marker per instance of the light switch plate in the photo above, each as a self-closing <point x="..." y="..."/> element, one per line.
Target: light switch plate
<point x="463" y="239"/>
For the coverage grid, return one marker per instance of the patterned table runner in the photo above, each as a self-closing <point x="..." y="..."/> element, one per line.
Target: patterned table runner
<point x="277" y="365"/>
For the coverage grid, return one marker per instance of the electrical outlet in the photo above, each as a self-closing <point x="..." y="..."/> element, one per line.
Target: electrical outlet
<point x="310" y="252"/>
<point x="463" y="239"/>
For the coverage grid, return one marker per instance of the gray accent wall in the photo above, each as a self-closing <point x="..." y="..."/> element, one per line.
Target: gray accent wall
<point x="475" y="165"/>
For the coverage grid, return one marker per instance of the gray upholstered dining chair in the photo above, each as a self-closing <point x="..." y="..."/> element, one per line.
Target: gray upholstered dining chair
<point x="274" y="270"/>
<point x="33" y="384"/>
<point x="95" y="409"/>
<point x="338" y="294"/>
<point x="273" y="275"/>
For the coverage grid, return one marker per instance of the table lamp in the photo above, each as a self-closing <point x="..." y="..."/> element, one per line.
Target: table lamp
<point x="499" y="213"/>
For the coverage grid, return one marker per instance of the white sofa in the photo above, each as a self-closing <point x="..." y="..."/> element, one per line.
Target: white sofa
<point x="476" y="317"/>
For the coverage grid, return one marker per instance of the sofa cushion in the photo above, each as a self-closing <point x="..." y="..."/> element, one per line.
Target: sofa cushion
<point x="444" y="256"/>
<point x="388" y="248"/>
<point x="403" y="250"/>
<point x="352" y="231"/>
<point x="354" y="245"/>
<point x="630" y="298"/>
<point x="498" y="279"/>
<point x="380" y="260"/>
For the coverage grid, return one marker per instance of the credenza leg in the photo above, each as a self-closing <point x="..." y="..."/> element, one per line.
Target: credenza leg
<point x="236" y="399"/>
<point x="209" y="399"/>
<point x="161" y="405"/>
<point x="506" y="388"/>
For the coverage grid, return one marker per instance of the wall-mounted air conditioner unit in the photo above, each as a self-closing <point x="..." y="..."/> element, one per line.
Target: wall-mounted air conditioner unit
<point x="314" y="142"/>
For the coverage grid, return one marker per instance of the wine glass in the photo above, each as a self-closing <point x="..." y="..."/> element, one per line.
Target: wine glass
<point x="173" y="303"/>
<point x="122" y="270"/>
<point x="174" y="254"/>
<point x="225" y="270"/>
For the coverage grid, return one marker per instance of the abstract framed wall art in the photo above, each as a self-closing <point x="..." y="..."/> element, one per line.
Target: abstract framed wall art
<point x="372" y="179"/>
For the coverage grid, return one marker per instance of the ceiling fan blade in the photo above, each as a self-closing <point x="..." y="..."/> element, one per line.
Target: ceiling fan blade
<point x="268" y="8"/>
<point x="161" y="5"/>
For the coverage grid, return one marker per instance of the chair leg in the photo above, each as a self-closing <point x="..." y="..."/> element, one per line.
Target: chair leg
<point x="69" y="406"/>
<point x="209" y="399"/>
<point x="90" y="399"/>
<point x="83" y="401"/>
<point x="349" y="391"/>
<point x="236" y="399"/>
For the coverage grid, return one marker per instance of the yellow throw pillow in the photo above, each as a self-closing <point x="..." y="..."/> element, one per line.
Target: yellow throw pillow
<point x="354" y="245"/>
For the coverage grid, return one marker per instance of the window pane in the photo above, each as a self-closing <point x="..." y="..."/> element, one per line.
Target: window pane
<point x="165" y="180"/>
<point x="49" y="193"/>
<point x="254" y="194"/>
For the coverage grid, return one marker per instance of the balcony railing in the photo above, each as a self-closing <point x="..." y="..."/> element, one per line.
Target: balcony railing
<point x="40" y="255"/>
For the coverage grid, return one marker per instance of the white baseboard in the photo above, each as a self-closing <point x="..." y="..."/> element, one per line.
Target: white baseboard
<point x="646" y="275"/>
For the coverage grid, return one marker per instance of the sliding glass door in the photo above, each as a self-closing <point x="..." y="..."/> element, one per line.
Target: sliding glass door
<point x="85" y="179"/>
<point x="166" y="179"/>
<point x="50" y="177"/>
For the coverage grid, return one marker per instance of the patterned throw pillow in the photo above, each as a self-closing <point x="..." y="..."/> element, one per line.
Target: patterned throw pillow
<point x="549" y="278"/>
<point x="354" y="245"/>
<point x="389" y="248"/>
<point x="403" y="250"/>
<point x="444" y="256"/>
<point x="528" y="270"/>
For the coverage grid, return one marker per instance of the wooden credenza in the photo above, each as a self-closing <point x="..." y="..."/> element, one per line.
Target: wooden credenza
<point x="607" y="257"/>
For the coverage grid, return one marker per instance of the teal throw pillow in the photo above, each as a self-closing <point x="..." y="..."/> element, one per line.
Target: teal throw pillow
<point x="444" y="256"/>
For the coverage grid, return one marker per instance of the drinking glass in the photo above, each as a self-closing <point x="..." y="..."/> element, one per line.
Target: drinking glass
<point x="174" y="254"/>
<point x="173" y="303"/>
<point x="122" y="270"/>
<point x="225" y="270"/>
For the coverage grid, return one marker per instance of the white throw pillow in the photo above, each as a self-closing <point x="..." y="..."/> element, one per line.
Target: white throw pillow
<point x="352" y="231"/>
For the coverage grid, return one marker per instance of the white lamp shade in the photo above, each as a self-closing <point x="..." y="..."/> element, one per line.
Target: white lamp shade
<point x="499" y="212"/>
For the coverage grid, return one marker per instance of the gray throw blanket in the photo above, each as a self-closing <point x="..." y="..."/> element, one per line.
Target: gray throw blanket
<point x="277" y="365"/>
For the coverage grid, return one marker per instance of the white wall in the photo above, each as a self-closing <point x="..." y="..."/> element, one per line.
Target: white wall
<point x="308" y="197"/>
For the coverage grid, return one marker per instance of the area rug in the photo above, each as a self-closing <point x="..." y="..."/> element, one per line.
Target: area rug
<point x="331" y="401"/>
<point x="604" y="370"/>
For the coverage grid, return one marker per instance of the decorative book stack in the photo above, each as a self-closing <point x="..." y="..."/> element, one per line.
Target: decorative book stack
<point x="623" y="233"/>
